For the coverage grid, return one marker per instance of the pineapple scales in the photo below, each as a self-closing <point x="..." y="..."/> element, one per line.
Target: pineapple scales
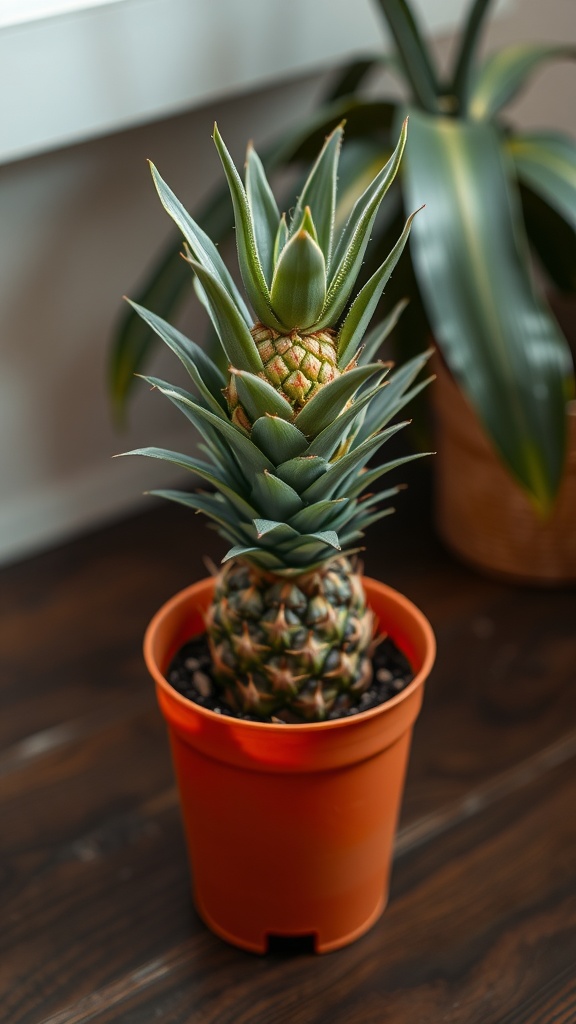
<point x="287" y="435"/>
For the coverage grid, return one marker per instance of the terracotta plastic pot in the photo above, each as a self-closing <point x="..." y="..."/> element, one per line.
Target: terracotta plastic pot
<point x="481" y="514"/>
<point x="290" y="827"/>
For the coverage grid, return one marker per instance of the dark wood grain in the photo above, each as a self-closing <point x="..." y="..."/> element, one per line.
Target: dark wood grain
<point x="97" y="922"/>
<point x="467" y="937"/>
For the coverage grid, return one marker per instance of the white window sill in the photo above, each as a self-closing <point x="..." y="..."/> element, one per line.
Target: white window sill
<point x="74" y="69"/>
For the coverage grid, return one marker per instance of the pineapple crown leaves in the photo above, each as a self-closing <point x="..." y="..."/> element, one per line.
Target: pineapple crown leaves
<point x="286" y="480"/>
<point x="297" y="276"/>
<point x="274" y="499"/>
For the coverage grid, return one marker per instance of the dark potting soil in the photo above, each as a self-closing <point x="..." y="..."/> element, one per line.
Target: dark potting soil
<point x="190" y="673"/>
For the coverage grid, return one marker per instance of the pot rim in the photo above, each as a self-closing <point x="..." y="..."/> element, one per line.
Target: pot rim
<point x="370" y="585"/>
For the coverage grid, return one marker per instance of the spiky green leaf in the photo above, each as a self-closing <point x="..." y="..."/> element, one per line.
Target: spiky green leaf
<point x="377" y="336"/>
<point x="234" y="335"/>
<point x="351" y="247"/>
<point x="362" y="309"/>
<point x="310" y="550"/>
<point x="250" y="458"/>
<point x="202" y="370"/>
<point x="394" y="396"/>
<point x="265" y="213"/>
<point x="214" y="475"/>
<point x="319" y="193"/>
<point x="351" y="463"/>
<point x="282" y="532"/>
<point x="314" y="517"/>
<point x="258" y="555"/>
<point x="275" y="498"/>
<point x="201" y="246"/>
<point x="329" y="537"/>
<point x="281" y="237"/>
<point x="301" y="472"/>
<point x="298" y="287"/>
<point x="208" y="504"/>
<point x="328" y="402"/>
<point x="280" y="441"/>
<point x="327" y="441"/>
<point x="359" y="527"/>
<point x="355" y="487"/>
<point x="259" y="398"/>
<point x="248" y="256"/>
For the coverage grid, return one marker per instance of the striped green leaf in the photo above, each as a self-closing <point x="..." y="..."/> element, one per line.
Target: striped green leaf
<point x="465" y="64"/>
<point x="506" y="72"/>
<point x="546" y="162"/>
<point x="502" y="346"/>
<point x="413" y="53"/>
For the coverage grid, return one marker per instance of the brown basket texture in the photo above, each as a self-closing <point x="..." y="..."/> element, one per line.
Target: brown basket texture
<point x="482" y="515"/>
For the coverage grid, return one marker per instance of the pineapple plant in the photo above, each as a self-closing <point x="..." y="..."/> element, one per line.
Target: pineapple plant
<point x="287" y="433"/>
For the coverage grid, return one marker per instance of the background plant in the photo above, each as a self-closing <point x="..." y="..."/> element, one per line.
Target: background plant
<point x="492" y="194"/>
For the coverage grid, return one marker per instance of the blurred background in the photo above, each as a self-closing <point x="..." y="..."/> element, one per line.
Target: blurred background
<point x="91" y="89"/>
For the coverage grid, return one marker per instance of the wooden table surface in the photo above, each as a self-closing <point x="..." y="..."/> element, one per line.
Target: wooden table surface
<point x="97" y="923"/>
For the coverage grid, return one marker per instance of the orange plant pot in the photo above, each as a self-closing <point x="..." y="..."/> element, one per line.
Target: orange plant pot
<point x="481" y="514"/>
<point x="290" y="828"/>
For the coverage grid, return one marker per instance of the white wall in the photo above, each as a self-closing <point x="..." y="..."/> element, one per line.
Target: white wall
<point x="77" y="227"/>
<point x="73" y="69"/>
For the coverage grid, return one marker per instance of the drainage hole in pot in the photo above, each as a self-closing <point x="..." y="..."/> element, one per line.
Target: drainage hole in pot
<point x="291" y="945"/>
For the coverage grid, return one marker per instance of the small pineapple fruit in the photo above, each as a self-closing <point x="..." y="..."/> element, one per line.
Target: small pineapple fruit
<point x="287" y="435"/>
<point x="299" y="643"/>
